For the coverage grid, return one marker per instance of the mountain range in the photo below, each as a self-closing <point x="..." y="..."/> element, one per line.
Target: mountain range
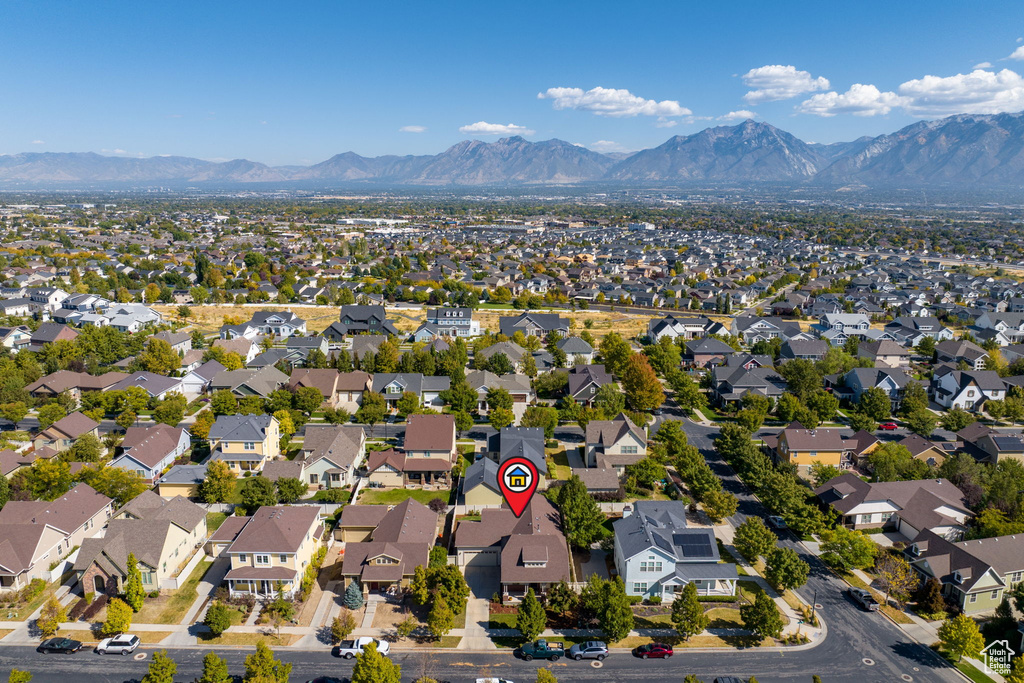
<point x="962" y="151"/>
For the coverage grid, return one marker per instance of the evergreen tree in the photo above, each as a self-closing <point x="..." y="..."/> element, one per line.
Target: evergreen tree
<point x="929" y="597"/>
<point x="217" y="619"/>
<point x="353" y="596"/>
<point x="616" y="619"/>
<point x="581" y="518"/>
<point x="134" y="594"/>
<point x="688" y="616"/>
<point x="531" y="619"/>
<point x="161" y="668"/>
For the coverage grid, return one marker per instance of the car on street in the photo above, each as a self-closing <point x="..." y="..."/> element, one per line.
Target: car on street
<point x="350" y="648"/>
<point x="123" y="644"/>
<point x="62" y="645"/>
<point x="541" y="649"/>
<point x="592" y="649"/>
<point x="864" y="598"/>
<point x="888" y="426"/>
<point x="728" y="679"/>
<point x="777" y="522"/>
<point x="653" y="651"/>
<point x="493" y="680"/>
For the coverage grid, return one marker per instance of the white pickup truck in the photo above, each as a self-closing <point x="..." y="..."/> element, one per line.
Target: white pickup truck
<point x="350" y="648"/>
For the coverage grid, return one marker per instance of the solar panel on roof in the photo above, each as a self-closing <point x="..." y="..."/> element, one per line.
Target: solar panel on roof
<point x="694" y="545"/>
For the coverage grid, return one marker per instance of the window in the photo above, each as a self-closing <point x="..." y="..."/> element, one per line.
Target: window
<point x="241" y="557"/>
<point x="995" y="594"/>
<point x="629" y="450"/>
<point x="314" y="478"/>
<point x="262" y="559"/>
<point x="973" y="598"/>
<point x="886" y="516"/>
<point x="970" y="393"/>
<point x="865" y="519"/>
<point x="147" y="578"/>
<point x="650" y="566"/>
<point x="249" y="446"/>
<point x="639" y="587"/>
<point x="284" y="558"/>
<point x="1015" y="577"/>
<point x="814" y="454"/>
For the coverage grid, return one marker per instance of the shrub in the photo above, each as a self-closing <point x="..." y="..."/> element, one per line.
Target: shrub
<point x="32" y="590"/>
<point x="154" y="594"/>
<point x="635" y="599"/>
<point x="94" y="607"/>
<point x="77" y="610"/>
<point x="654" y="600"/>
<point x="437" y="505"/>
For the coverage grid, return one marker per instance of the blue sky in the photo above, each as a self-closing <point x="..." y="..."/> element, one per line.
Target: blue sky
<point x="294" y="83"/>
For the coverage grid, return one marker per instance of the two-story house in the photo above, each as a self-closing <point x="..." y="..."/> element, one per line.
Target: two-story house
<point x="150" y="450"/>
<point x="36" y="534"/>
<point x="361" y="320"/>
<point x="534" y="324"/>
<point x="976" y="574"/>
<point x="271" y="549"/>
<point x="675" y="327"/>
<point x="384" y="545"/>
<point x="245" y="442"/>
<point x="884" y="354"/>
<point x="585" y="380"/>
<point x="331" y="454"/>
<point x="163" y="534"/>
<point x="893" y="381"/>
<point x="802" y="448"/>
<point x="65" y="431"/>
<point x="657" y="555"/>
<point x="967" y="390"/>
<point x="426" y="387"/>
<point x="453" y="322"/>
<point x="482" y="381"/>
<point x="614" y="444"/>
<point x="961" y="351"/>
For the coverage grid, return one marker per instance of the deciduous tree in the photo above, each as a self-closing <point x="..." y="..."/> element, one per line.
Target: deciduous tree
<point x="785" y="569"/>
<point x="262" y="667"/>
<point x="215" y="670"/>
<point x="960" y="636"/>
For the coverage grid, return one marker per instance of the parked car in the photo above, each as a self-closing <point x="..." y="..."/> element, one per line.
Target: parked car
<point x="888" y="426"/>
<point x="777" y="522"/>
<point x="123" y="644"/>
<point x="350" y="648"/>
<point x="493" y="680"/>
<point x="62" y="645"/>
<point x="592" y="649"/>
<point x="653" y="651"/>
<point x="864" y="598"/>
<point x="541" y="649"/>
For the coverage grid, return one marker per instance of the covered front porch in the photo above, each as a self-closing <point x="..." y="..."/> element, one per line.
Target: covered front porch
<point x="717" y="579"/>
<point x="515" y="592"/>
<point x="261" y="583"/>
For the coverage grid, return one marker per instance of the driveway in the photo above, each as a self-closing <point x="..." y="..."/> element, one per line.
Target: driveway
<point x="483" y="582"/>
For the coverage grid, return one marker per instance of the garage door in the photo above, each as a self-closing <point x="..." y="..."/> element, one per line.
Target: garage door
<point x="481" y="558"/>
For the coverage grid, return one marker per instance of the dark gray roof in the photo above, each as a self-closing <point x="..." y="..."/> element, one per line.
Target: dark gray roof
<point x="184" y="474"/>
<point x="483" y="472"/>
<point x="240" y="428"/>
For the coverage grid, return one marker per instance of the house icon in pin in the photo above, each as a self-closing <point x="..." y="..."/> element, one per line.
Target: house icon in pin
<point x="518" y="477"/>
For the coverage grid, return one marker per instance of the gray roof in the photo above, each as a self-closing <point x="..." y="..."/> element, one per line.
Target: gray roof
<point x="184" y="474"/>
<point x="521" y="442"/>
<point x="483" y="472"/>
<point x="412" y="381"/>
<point x="662" y="524"/>
<point x="153" y="383"/>
<point x="240" y="428"/>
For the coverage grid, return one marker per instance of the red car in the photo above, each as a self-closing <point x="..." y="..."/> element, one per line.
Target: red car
<point x="888" y="426"/>
<point x="656" y="650"/>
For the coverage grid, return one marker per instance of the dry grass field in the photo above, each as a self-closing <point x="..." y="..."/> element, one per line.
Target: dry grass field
<point x="209" y="318"/>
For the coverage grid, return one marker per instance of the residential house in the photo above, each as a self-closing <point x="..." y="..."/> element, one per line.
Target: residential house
<point x="892" y="381"/>
<point x="967" y="390"/>
<point x="453" y="322"/>
<point x="614" y="444"/>
<point x="752" y="329"/>
<point x="181" y="480"/>
<point x="249" y="382"/>
<point x="271" y="549"/>
<point x="730" y="383"/>
<point x="48" y="333"/>
<point x="351" y="387"/>
<point x="520" y="442"/>
<point x="656" y="555"/>
<point x="246" y="348"/>
<point x="426" y="388"/>
<point x="480" y="485"/>
<point x="482" y="381"/>
<point x="975" y="575"/>
<point x="14" y="337"/>
<point x="399" y="540"/>
<point x="912" y="329"/>
<point x="197" y="382"/>
<point x="806" y="349"/>
<point x="362" y="320"/>
<point x="324" y="380"/>
<point x="961" y="351"/>
<point x="577" y="351"/>
<point x="36" y="534"/>
<point x="514" y="352"/>
<point x="703" y="353"/>
<point x="65" y="431"/>
<point x="75" y="383"/>
<point x="431" y="436"/>
<point x="884" y="354"/>
<point x="331" y="454"/>
<point x="157" y="386"/>
<point x="907" y="507"/>
<point x="675" y="327"/>
<point x="245" y="442"/>
<point x="150" y="450"/>
<point x="804" y="447"/>
<point x="585" y="380"/>
<point x="163" y="534"/>
<point x="534" y="324"/>
<point x="528" y="551"/>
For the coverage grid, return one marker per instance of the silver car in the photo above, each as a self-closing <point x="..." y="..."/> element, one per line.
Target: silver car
<point x="123" y="644"/>
<point x="592" y="649"/>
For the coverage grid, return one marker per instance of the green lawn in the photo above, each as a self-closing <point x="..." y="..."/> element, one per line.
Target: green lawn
<point x="502" y="621"/>
<point x="561" y="460"/>
<point x="183" y="598"/>
<point x="395" y="496"/>
<point x="214" y="520"/>
<point x="964" y="667"/>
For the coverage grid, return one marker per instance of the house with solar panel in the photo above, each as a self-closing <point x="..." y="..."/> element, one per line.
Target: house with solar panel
<point x="657" y="555"/>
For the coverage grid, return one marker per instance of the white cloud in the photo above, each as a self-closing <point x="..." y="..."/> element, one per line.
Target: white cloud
<point x="666" y="123"/>
<point x="606" y="146"/>
<point x="611" y="102"/>
<point x="777" y="82"/>
<point x="859" y="100"/>
<point x="484" y="128"/>
<point x="412" y="129"/>
<point x="1018" y="53"/>
<point x="739" y="115"/>
<point x="983" y="65"/>
<point x="979" y="92"/>
<point x="38" y="142"/>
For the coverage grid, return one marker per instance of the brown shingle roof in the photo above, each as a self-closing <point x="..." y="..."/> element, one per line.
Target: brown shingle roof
<point x="276" y="529"/>
<point x="430" y="433"/>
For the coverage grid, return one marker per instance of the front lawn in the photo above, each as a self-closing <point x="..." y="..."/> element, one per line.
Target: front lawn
<point x="183" y="598"/>
<point x="964" y="667"/>
<point x="396" y="496"/>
